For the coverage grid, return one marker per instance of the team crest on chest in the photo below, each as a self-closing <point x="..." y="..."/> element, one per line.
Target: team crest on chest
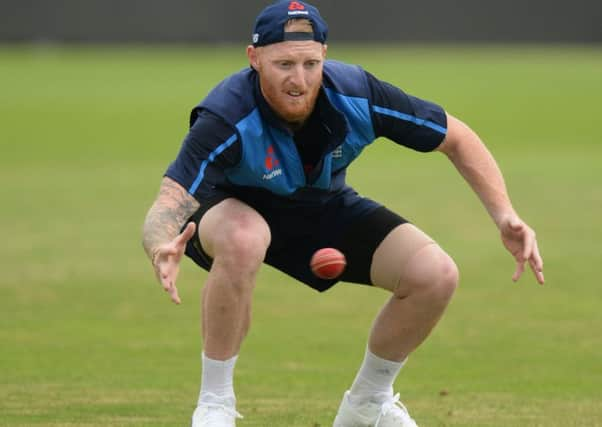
<point x="271" y="165"/>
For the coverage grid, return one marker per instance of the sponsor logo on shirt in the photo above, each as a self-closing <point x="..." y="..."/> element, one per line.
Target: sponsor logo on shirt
<point x="273" y="174"/>
<point x="271" y="165"/>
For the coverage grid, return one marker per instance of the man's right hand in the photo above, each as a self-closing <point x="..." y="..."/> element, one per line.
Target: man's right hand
<point x="166" y="261"/>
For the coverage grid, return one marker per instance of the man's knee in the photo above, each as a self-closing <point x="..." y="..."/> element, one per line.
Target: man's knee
<point x="444" y="274"/>
<point x="431" y="271"/>
<point x="242" y="247"/>
<point x="409" y="261"/>
<point x="234" y="235"/>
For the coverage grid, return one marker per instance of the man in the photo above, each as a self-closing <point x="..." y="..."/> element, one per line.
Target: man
<point x="261" y="178"/>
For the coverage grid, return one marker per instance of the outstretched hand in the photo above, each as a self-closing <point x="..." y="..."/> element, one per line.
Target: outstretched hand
<point x="166" y="261"/>
<point x="520" y="240"/>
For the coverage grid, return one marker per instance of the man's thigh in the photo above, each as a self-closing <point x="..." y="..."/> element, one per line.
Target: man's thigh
<point x="221" y="219"/>
<point x="360" y="240"/>
<point x="404" y="245"/>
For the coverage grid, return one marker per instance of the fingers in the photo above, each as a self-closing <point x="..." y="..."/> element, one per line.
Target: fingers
<point x="530" y="254"/>
<point x="528" y="243"/>
<point x="536" y="263"/>
<point x="173" y="294"/>
<point x="164" y="278"/>
<point x="166" y="261"/>
<point x="170" y="287"/>
<point x="520" y="268"/>
<point x="526" y="235"/>
<point x="538" y="272"/>
<point x="167" y="277"/>
<point x="523" y="254"/>
<point x="185" y="235"/>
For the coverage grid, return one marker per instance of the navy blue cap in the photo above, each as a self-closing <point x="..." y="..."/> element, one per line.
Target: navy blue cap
<point x="269" y="25"/>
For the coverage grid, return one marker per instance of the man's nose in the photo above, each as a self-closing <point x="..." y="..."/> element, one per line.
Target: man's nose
<point x="297" y="76"/>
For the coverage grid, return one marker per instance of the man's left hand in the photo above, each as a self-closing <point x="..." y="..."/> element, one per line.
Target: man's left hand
<point x="520" y="240"/>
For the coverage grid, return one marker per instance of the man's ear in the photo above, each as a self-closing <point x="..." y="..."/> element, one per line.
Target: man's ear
<point x="252" y="55"/>
<point x="324" y="49"/>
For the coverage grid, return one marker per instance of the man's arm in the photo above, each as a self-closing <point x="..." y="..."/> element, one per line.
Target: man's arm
<point x="161" y="237"/>
<point x="478" y="167"/>
<point x="167" y="215"/>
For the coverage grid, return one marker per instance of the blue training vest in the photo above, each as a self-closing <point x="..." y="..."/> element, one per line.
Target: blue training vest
<point x="269" y="159"/>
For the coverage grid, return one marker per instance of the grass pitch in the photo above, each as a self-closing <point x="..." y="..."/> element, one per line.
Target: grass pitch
<point x="88" y="339"/>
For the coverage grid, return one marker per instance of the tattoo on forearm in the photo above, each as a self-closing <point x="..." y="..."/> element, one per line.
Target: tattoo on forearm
<point x="167" y="215"/>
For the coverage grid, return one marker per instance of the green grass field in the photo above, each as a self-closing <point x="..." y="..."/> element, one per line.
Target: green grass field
<point x="87" y="338"/>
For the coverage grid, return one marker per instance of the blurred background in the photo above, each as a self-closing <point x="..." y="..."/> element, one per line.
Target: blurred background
<point x="94" y="103"/>
<point x="190" y="21"/>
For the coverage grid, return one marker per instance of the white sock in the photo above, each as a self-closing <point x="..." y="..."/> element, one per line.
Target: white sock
<point x="218" y="381"/>
<point x="374" y="381"/>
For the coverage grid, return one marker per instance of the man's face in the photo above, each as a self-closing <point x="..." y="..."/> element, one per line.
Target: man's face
<point x="290" y="75"/>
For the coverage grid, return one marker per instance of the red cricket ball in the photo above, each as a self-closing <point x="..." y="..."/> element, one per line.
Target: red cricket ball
<point x="328" y="263"/>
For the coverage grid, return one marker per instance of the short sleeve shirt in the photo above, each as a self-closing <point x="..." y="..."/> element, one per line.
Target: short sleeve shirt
<point x="236" y="143"/>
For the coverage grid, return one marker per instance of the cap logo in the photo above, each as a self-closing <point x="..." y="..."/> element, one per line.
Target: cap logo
<point x="255" y="38"/>
<point x="296" y="8"/>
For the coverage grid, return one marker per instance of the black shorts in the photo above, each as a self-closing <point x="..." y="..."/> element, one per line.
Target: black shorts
<point x="353" y="224"/>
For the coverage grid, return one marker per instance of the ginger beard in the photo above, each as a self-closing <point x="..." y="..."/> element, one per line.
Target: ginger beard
<point x="290" y="77"/>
